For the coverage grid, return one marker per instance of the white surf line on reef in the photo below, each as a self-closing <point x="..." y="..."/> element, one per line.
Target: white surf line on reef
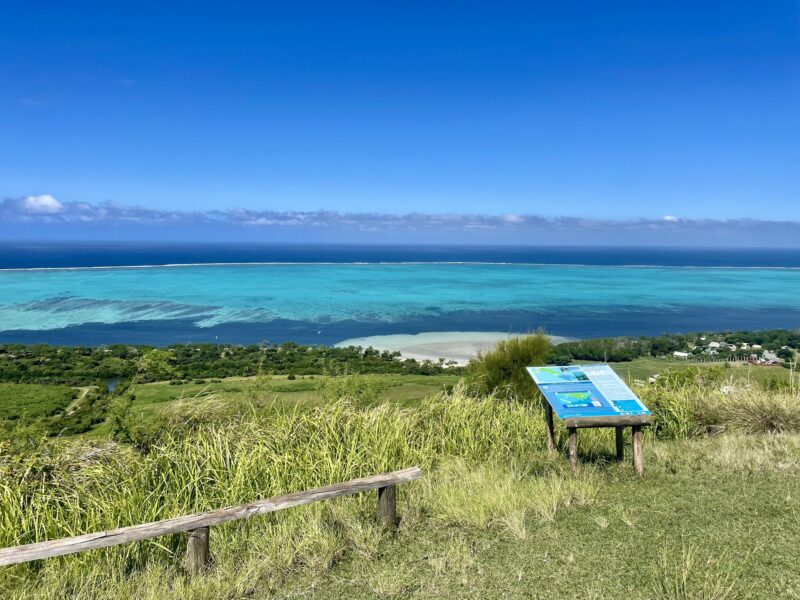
<point x="396" y="263"/>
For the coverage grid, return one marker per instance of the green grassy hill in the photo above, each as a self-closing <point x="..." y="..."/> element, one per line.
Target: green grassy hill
<point x="494" y="516"/>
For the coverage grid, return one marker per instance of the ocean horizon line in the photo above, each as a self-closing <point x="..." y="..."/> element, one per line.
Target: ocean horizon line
<point x="403" y="263"/>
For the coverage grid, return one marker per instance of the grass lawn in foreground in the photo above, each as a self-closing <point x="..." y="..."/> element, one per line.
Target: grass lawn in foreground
<point x="495" y="515"/>
<point x="713" y="518"/>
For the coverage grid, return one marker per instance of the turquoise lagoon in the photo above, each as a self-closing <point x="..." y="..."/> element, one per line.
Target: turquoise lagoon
<point x="326" y="303"/>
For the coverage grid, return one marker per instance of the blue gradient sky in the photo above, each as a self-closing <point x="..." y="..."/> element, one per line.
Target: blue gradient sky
<point x="604" y="110"/>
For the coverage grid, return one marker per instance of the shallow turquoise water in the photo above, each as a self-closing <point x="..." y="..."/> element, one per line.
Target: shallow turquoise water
<point x="210" y="296"/>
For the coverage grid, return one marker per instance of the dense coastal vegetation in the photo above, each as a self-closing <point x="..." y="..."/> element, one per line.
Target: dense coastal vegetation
<point x="494" y="515"/>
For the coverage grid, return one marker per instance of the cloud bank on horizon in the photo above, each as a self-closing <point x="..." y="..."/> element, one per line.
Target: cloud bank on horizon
<point x="45" y="217"/>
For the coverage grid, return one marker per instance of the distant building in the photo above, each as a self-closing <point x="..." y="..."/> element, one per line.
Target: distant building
<point x="714" y="345"/>
<point x="681" y="355"/>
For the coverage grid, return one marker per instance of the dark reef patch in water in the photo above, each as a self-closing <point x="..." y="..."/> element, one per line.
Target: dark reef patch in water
<point x="579" y="324"/>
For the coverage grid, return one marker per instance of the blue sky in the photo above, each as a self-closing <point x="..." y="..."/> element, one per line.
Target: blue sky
<point x="608" y="111"/>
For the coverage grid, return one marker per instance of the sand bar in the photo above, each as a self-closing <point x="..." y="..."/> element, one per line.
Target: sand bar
<point x="457" y="346"/>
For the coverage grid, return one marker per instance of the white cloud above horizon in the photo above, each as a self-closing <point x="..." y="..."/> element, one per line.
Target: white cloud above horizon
<point x="45" y="209"/>
<point x="44" y="204"/>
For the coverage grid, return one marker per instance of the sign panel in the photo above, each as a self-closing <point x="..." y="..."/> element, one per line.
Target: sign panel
<point x="586" y="391"/>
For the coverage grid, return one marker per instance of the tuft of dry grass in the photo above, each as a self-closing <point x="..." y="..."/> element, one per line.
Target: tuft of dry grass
<point x="686" y="573"/>
<point x="759" y="411"/>
<point x="501" y="496"/>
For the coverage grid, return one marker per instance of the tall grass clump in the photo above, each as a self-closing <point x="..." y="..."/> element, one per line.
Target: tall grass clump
<point x="686" y="573"/>
<point x="70" y="488"/>
<point x="502" y="373"/>
<point x="756" y="410"/>
<point x="694" y="402"/>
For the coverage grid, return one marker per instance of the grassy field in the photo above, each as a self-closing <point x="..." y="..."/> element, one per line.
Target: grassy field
<point x="30" y="401"/>
<point x="713" y="519"/>
<point x="644" y="367"/>
<point x="301" y="392"/>
<point x="494" y="517"/>
<point x="407" y="390"/>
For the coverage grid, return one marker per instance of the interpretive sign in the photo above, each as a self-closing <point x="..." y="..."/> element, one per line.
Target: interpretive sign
<point x="591" y="396"/>
<point x="586" y="391"/>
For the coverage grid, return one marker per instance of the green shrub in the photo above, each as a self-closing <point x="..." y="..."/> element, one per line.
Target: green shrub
<point x="502" y="371"/>
<point x="676" y="411"/>
<point x="358" y="389"/>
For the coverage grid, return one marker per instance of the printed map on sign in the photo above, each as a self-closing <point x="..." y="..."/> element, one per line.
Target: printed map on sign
<point x="586" y="391"/>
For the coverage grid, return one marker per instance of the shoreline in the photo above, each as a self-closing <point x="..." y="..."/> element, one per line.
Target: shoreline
<point x="452" y="346"/>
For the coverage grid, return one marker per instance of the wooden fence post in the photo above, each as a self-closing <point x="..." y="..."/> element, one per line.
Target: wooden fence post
<point x="620" y="443"/>
<point x="387" y="505"/>
<point x="638" y="459"/>
<point x="548" y="423"/>
<point x="573" y="448"/>
<point x="198" y="557"/>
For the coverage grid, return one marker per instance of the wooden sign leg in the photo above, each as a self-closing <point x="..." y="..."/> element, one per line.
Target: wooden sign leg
<point x="638" y="459"/>
<point x="573" y="448"/>
<point x="620" y="443"/>
<point x="548" y="423"/>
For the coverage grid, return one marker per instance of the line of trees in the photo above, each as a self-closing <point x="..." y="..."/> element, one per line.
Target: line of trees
<point x="77" y="366"/>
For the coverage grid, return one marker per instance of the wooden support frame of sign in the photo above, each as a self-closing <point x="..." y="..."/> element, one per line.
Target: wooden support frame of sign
<point x="618" y="423"/>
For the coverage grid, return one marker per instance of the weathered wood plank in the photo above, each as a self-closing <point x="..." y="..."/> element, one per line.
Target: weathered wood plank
<point x="623" y="421"/>
<point x="123" y="535"/>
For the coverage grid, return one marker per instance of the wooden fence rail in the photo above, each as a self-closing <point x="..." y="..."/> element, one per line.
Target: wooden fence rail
<point x="197" y="550"/>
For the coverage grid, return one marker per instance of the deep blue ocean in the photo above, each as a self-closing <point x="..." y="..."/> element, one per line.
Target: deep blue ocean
<point x="161" y="294"/>
<point x="25" y="255"/>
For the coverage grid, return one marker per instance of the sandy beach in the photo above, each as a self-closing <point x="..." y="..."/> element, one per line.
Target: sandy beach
<point x="456" y="346"/>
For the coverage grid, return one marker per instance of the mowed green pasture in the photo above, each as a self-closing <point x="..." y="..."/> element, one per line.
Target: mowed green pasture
<point x="645" y="367"/>
<point x="301" y="392"/>
<point x="30" y="401"/>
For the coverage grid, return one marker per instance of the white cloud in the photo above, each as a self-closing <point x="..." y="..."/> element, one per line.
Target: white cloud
<point x="41" y="205"/>
<point x="46" y="209"/>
